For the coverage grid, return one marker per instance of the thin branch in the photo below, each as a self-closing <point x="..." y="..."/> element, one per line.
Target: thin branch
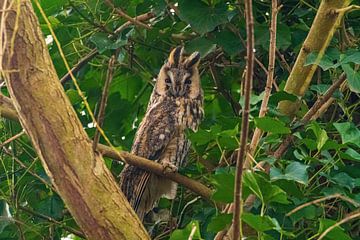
<point x="353" y="215"/>
<point x="93" y="23"/>
<point x="269" y="82"/>
<point x="142" y="18"/>
<point x="121" y="13"/>
<point x="347" y="9"/>
<point x="245" y="120"/>
<point x="9" y="140"/>
<point x="82" y="62"/>
<point x="283" y="61"/>
<point x="104" y="96"/>
<point x="52" y="220"/>
<point x="321" y="200"/>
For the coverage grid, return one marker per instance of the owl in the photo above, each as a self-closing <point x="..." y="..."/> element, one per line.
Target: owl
<point x="176" y="104"/>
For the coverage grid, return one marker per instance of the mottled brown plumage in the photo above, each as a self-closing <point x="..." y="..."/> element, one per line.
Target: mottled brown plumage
<point x="175" y="105"/>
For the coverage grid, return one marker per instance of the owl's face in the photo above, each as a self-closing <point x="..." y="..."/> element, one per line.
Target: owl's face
<point x="179" y="76"/>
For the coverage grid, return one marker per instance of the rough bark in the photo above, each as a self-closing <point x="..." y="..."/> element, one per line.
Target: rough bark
<point x="80" y="176"/>
<point x="322" y="30"/>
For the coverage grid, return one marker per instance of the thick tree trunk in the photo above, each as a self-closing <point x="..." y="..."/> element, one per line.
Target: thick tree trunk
<point x="318" y="39"/>
<point x="80" y="176"/>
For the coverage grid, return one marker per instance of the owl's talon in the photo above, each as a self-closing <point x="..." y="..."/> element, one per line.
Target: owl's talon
<point x="168" y="167"/>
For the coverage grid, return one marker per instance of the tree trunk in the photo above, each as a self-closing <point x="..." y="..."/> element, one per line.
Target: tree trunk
<point x="79" y="175"/>
<point x="322" y="30"/>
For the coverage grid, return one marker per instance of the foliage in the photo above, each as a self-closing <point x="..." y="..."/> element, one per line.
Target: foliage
<point x="323" y="159"/>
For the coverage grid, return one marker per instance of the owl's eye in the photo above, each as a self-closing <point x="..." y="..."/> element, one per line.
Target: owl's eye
<point x="167" y="80"/>
<point x="188" y="81"/>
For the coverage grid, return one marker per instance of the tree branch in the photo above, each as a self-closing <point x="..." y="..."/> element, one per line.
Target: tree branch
<point x="142" y="163"/>
<point x="104" y="96"/>
<point x="121" y="13"/>
<point x="245" y="121"/>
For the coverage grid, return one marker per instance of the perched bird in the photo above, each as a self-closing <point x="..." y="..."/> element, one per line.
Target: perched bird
<point x="176" y="104"/>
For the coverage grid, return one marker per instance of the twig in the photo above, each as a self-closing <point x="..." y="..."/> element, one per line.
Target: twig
<point x="95" y="24"/>
<point x="9" y="140"/>
<point x="321" y="200"/>
<point x="283" y="61"/>
<point x="322" y="100"/>
<point x="143" y="17"/>
<point x="245" y="120"/>
<point x="269" y="82"/>
<point x="347" y="9"/>
<point x="353" y="215"/>
<point x="234" y="104"/>
<point x="124" y="15"/>
<point x="104" y="96"/>
<point x="79" y="65"/>
<point x="52" y="220"/>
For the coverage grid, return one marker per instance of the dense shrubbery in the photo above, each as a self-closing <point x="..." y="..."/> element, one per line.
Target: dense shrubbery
<point x="322" y="160"/>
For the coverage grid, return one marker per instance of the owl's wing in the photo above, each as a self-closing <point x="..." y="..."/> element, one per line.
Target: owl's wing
<point x="154" y="136"/>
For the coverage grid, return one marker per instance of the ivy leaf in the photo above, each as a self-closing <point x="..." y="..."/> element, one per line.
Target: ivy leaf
<point x="320" y="134"/>
<point x="295" y="171"/>
<point x="259" y="223"/>
<point x="325" y="62"/>
<point x="202" y="45"/>
<point x="353" y="78"/>
<point x="263" y="189"/>
<point x="348" y="132"/>
<point x="202" y="17"/>
<point x="272" y="125"/>
<point x="224" y="183"/>
<point x="352" y="58"/>
<point x="219" y="222"/>
<point x="335" y="234"/>
<point x="180" y="234"/>
<point x="351" y="154"/>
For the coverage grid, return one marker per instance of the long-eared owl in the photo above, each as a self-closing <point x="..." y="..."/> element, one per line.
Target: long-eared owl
<point x="176" y="104"/>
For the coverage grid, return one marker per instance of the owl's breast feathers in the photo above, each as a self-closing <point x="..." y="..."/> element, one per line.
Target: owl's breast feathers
<point x="160" y="137"/>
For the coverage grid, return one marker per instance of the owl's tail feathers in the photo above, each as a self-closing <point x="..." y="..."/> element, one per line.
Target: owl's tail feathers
<point x="171" y="193"/>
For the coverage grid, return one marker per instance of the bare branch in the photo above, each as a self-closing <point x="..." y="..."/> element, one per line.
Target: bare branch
<point x="104" y="96"/>
<point x="121" y="13"/>
<point x="245" y="120"/>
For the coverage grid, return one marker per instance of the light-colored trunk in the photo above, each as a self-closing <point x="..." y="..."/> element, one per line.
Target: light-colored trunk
<point x="79" y="175"/>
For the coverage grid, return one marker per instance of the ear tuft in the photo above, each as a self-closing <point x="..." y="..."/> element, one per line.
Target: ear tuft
<point x="175" y="56"/>
<point x="193" y="60"/>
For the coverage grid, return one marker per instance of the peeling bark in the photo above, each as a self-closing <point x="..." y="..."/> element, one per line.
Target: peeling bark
<point x="79" y="175"/>
<point x="322" y="30"/>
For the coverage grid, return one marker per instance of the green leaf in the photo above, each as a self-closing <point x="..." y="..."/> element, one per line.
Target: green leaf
<point x="202" y="17"/>
<point x="325" y="62"/>
<point x="335" y="234"/>
<point x="348" y="132"/>
<point x="219" y="222"/>
<point x="224" y="183"/>
<point x="259" y="223"/>
<point x="202" y="45"/>
<point x="263" y="189"/>
<point x="180" y="234"/>
<point x="353" y="77"/>
<point x="73" y="96"/>
<point x="272" y="125"/>
<point x="351" y="154"/>
<point x="103" y="43"/>
<point x="295" y="171"/>
<point x="352" y="58"/>
<point x="320" y="134"/>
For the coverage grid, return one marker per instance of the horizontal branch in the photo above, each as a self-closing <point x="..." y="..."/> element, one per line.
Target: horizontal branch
<point x="140" y="162"/>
